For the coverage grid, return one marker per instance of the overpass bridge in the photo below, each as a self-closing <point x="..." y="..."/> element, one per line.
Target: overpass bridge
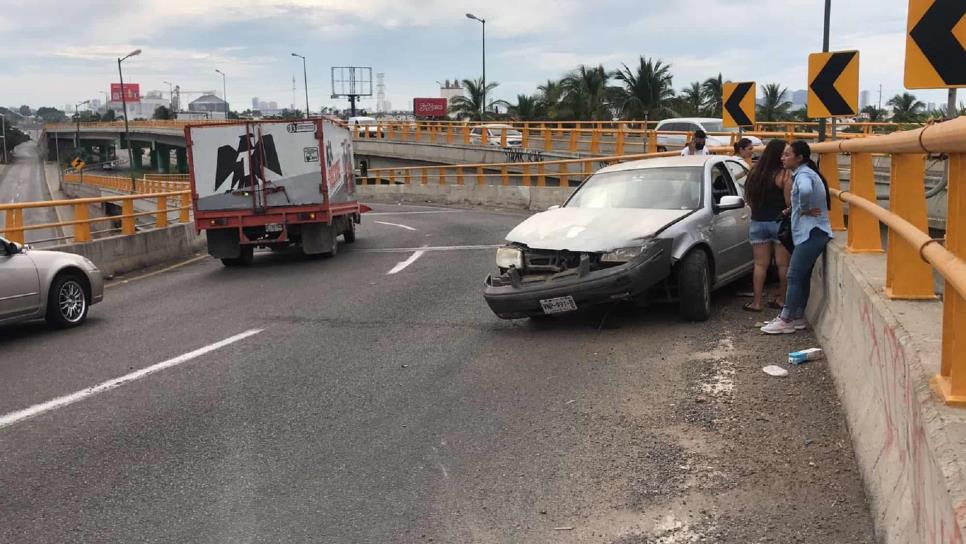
<point x="894" y="351"/>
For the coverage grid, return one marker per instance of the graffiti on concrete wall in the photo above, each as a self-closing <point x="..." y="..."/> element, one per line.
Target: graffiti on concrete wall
<point x="904" y="438"/>
<point x="518" y="154"/>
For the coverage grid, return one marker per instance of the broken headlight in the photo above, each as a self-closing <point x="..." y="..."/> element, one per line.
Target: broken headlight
<point x="509" y="257"/>
<point x="626" y="254"/>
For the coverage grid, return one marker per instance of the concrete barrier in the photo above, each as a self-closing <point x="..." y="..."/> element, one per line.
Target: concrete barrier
<point x="121" y="254"/>
<point x="527" y="198"/>
<point x="882" y="353"/>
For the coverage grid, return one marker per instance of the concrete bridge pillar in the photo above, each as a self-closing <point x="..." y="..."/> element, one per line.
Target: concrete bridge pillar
<point x="154" y="158"/>
<point x="137" y="153"/>
<point x="181" y="154"/>
<point x="164" y="158"/>
<point x="103" y="152"/>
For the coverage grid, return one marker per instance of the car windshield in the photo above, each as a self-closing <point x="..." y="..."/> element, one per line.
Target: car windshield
<point x="716" y="126"/>
<point x="672" y="188"/>
<point x="510" y="132"/>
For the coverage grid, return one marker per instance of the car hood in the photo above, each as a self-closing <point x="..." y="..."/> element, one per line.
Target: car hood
<point x="590" y="229"/>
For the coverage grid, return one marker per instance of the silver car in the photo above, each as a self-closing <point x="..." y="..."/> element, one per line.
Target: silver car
<point x="57" y="286"/>
<point x="669" y="228"/>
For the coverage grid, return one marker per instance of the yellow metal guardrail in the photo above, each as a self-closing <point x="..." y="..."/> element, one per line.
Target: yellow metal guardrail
<point x="169" y="197"/>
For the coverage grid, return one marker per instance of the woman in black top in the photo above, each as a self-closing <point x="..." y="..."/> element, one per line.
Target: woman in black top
<point x="768" y="192"/>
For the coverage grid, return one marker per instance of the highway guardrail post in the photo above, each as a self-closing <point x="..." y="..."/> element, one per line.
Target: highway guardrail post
<point x="82" y="230"/>
<point x="950" y="383"/>
<point x="864" y="230"/>
<point x="127" y="216"/>
<point x="908" y="276"/>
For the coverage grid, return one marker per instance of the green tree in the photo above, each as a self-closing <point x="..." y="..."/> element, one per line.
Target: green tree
<point x="25" y="110"/>
<point x="469" y="106"/>
<point x="527" y="108"/>
<point x="51" y="115"/>
<point x="163" y="113"/>
<point x="774" y="106"/>
<point x="647" y="91"/>
<point x="109" y="115"/>
<point x="13" y="137"/>
<point x="586" y="93"/>
<point x="713" y="89"/>
<point x="691" y="100"/>
<point x="550" y="94"/>
<point x="906" y="108"/>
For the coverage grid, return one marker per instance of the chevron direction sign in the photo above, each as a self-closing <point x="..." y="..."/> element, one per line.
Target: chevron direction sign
<point x="935" y="54"/>
<point x="739" y="104"/>
<point x="833" y="88"/>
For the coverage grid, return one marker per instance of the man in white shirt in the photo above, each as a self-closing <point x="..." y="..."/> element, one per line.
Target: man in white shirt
<point x="698" y="145"/>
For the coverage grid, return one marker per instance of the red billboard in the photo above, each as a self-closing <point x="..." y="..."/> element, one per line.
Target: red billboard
<point x="132" y="92"/>
<point x="430" y="107"/>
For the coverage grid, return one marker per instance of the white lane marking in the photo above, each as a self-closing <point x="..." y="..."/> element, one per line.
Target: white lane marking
<point x="394" y="225"/>
<point x="409" y="249"/>
<point x="403" y="264"/>
<point x="410" y="213"/>
<point x="60" y="402"/>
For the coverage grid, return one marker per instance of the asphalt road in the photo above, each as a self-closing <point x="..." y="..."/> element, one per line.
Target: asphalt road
<point x="376" y="407"/>
<point x="23" y="181"/>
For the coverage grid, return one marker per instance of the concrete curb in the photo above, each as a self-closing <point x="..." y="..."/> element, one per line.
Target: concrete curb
<point x="882" y="354"/>
<point x="123" y="254"/>
<point x="525" y="198"/>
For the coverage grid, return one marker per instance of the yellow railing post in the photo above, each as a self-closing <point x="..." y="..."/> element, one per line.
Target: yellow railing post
<point x="525" y="139"/>
<point x="13" y="228"/>
<point x="651" y="140"/>
<point x="480" y="175"/>
<point x="587" y="166"/>
<point x="466" y="135"/>
<point x="574" y="136"/>
<point x="525" y="175"/>
<point x="503" y="137"/>
<point x="185" y="208"/>
<point x="409" y="177"/>
<point x="424" y="176"/>
<point x="595" y="141"/>
<point x="829" y="166"/>
<point x="459" y="175"/>
<point x="484" y="135"/>
<point x="417" y="133"/>
<point x="908" y="276"/>
<point x="127" y="219"/>
<point x="619" y="145"/>
<point x="504" y="175"/>
<point x="541" y="175"/>
<point x="449" y="134"/>
<point x="547" y="139"/>
<point x="950" y="383"/>
<point x="563" y="175"/>
<point x="442" y="175"/>
<point x="162" y="215"/>
<point x="864" y="229"/>
<point x="82" y="231"/>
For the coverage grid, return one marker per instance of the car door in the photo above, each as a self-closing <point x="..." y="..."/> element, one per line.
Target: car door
<point x="729" y="231"/>
<point x="20" y="288"/>
<point x="739" y="173"/>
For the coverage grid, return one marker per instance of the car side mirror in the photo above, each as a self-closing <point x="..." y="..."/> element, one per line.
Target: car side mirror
<point x="730" y="202"/>
<point x="11" y="248"/>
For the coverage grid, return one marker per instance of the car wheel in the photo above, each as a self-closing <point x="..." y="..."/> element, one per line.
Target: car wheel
<point x="694" y="286"/>
<point x="67" y="302"/>
<point x="350" y="231"/>
<point x="246" y="257"/>
<point x="661" y="149"/>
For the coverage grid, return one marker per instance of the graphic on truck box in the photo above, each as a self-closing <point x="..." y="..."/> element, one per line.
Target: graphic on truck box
<point x="231" y="161"/>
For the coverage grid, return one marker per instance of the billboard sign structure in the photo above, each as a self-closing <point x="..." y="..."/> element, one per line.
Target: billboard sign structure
<point x="430" y="107"/>
<point x="351" y="82"/>
<point x="132" y="92"/>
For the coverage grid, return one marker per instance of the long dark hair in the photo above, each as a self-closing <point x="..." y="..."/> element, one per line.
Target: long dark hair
<point x="801" y="148"/>
<point x="763" y="173"/>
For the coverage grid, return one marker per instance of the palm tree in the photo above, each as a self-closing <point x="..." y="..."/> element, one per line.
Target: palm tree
<point x="906" y="108"/>
<point x="875" y="114"/>
<point x="647" y="91"/>
<point x="550" y="94"/>
<point x="713" y="88"/>
<point x="468" y="106"/>
<point x="585" y="93"/>
<point x="692" y="100"/>
<point x="527" y="108"/>
<point x="774" y="106"/>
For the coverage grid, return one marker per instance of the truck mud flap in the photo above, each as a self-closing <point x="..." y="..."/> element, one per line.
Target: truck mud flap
<point x="318" y="239"/>
<point x="223" y="243"/>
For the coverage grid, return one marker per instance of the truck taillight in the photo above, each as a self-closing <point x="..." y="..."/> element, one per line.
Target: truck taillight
<point x="307" y="216"/>
<point x="217" y="222"/>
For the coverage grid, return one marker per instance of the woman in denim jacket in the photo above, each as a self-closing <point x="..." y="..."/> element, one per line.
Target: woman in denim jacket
<point x="811" y="232"/>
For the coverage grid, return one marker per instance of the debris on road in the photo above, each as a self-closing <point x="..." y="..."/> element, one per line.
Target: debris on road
<point x="776" y="371"/>
<point x="805" y="355"/>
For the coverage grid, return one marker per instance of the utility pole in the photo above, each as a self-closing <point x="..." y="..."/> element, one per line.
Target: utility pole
<point x="828" y="18"/>
<point x="224" y="90"/>
<point x="483" y="90"/>
<point x="77" y="115"/>
<point x="952" y="111"/>
<point x="127" y="135"/>
<point x="3" y="134"/>
<point x="305" y="77"/>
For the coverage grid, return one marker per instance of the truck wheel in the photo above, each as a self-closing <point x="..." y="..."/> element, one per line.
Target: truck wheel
<point x="67" y="302"/>
<point x="246" y="257"/>
<point x="350" y="231"/>
<point x="694" y="286"/>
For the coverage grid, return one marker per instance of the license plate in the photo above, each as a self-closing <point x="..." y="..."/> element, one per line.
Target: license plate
<point x="558" y="305"/>
<point x="274" y="227"/>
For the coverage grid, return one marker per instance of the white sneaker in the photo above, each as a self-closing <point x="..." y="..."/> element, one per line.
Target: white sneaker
<point x="779" y="326"/>
<point x="800" y="324"/>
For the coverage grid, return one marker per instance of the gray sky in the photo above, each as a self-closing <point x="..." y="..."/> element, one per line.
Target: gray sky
<point x="59" y="52"/>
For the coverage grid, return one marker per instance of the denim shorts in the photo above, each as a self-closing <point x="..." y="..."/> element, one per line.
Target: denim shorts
<point x="763" y="232"/>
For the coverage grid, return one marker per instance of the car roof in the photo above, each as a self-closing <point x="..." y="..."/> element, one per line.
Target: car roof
<point x="662" y="162"/>
<point x="495" y="125"/>
<point x="692" y="120"/>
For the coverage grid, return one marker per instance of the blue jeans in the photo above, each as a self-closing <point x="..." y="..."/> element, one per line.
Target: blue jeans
<point x="800" y="274"/>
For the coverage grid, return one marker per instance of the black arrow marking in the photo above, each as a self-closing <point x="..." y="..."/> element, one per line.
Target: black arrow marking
<point x="934" y="35"/>
<point x="733" y="105"/>
<point x="824" y="84"/>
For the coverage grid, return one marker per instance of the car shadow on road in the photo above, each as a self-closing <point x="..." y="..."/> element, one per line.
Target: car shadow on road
<point x="39" y="330"/>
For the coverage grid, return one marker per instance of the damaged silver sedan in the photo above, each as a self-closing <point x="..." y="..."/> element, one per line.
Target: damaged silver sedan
<point x="670" y="228"/>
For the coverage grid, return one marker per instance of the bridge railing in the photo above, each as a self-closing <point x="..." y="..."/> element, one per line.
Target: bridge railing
<point x="150" y="183"/>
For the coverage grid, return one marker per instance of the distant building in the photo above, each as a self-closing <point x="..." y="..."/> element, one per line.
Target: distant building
<point x="210" y="104"/>
<point x="143" y="108"/>
<point x="865" y="98"/>
<point x="450" y="90"/>
<point x="255" y="103"/>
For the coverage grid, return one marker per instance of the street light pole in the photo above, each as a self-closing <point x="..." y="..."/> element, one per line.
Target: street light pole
<point x="828" y="18"/>
<point x="483" y="103"/>
<point x="77" y="129"/>
<point x="170" y="94"/>
<point x="127" y="136"/>
<point x="305" y="78"/>
<point x="224" y="91"/>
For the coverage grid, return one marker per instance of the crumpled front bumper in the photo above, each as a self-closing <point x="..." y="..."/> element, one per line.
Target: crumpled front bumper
<point x="521" y="299"/>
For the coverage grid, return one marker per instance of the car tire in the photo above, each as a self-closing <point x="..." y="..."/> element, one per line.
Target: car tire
<point x="245" y="258"/>
<point x="68" y="301"/>
<point x="694" y="286"/>
<point x="349" y="235"/>
<point x="661" y="149"/>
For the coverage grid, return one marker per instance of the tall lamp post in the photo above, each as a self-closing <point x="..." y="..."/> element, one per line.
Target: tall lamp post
<point x="305" y="78"/>
<point x="170" y="94"/>
<point x="483" y="103"/>
<point x="77" y="129"/>
<point x="224" y="91"/>
<point x="828" y="16"/>
<point x="127" y="136"/>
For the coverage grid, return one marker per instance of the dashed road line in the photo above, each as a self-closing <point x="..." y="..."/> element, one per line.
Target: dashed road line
<point x="403" y="264"/>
